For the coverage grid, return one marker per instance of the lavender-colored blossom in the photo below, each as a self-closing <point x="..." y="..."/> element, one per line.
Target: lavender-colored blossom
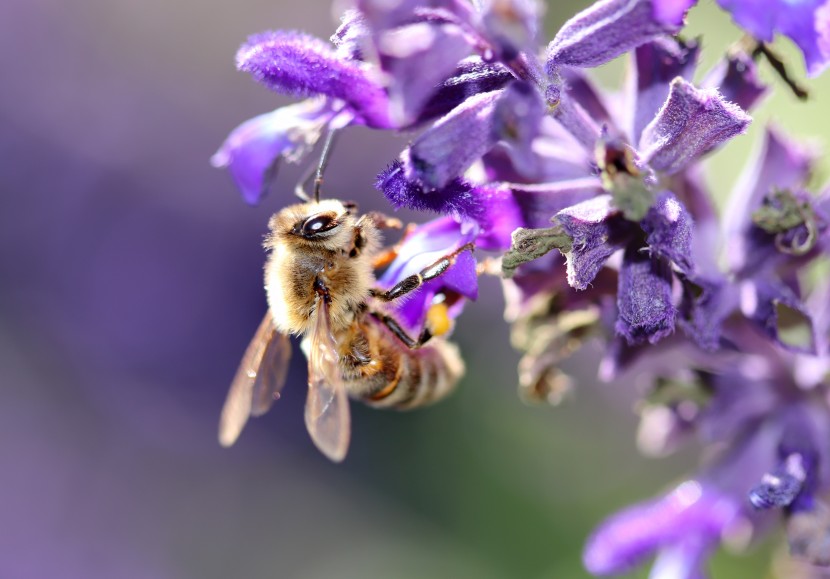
<point x="583" y="42"/>
<point x="644" y="298"/>
<point x="805" y="22"/>
<point x="596" y="231"/>
<point x="694" y="513"/>
<point x="302" y="65"/>
<point x="428" y="243"/>
<point x="521" y="154"/>
<point x="691" y="123"/>
<point x="454" y="142"/>
<point x="252" y="150"/>
<point x="658" y="63"/>
<point x="607" y="29"/>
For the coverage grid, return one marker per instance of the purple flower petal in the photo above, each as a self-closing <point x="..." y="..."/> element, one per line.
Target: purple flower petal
<point x="656" y="65"/>
<point x="494" y="209"/>
<point x="580" y="87"/>
<point x="736" y="77"/>
<point x="692" y="510"/>
<point x="644" y="298"/>
<point x="511" y="26"/>
<point x="597" y="230"/>
<point x="538" y="202"/>
<point x="302" y="65"/>
<point x="427" y="244"/>
<point x="252" y="149"/>
<point x="577" y="122"/>
<point x="761" y="299"/>
<point x="669" y="227"/>
<point x="445" y="150"/>
<point x="691" y="123"/>
<point x="706" y="304"/>
<point x="516" y="123"/>
<point x="683" y="560"/>
<point x="781" y="163"/>
<point x="672" y="11"/>
<point x="417" y="59"/>
<point x="473" y="76"/>
<point x="804" y="22"/>
<point x="352" y="36"/>
<point x="608" y="29"/>
<point x="780" y="487"/>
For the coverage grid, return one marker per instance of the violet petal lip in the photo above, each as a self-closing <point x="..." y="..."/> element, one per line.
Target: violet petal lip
<point x="471" y="76"/>
<point x="516" y="124"/>
<point x="607" y="29"/>
<point x="446" y="149"/>
<point x="428" y="243"/>
<point x="644" y="298"/>
<point x="251" y="151"/>
<point x="804" y="22"/>
<point x="693" y="509"/>
<point x="597" y="231"/>
<point x="691" y="123"/>
<point x="655" y="65"/>
<point x="669" y="230"/>
<point x="302" y="65"/>
<point x="417" y="58"/>
<point x="736" y="77"/>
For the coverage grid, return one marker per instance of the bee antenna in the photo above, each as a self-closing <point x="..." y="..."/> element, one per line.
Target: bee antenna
<point x="324" y="161"/>
<point x="300" y="189"/>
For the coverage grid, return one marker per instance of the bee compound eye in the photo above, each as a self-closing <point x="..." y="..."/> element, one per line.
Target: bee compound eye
<point x="317" y="224"/>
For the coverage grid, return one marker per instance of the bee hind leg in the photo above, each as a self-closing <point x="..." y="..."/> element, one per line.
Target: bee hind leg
<point x="393" y="326"/>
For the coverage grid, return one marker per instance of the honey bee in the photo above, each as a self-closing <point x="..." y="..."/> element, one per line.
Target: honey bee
<point x="320" y="284"/>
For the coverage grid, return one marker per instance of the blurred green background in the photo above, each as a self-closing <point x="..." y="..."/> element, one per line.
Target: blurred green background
<point x="130" y="284"/>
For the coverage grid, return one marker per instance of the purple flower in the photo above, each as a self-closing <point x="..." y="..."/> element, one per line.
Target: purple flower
<point x="252" y="150"/>
<point x="423" y="246"/>
<point x="805" y="22"/>
<point x="519" y="153"/>
<point x="301" y="65"/>
<point x="681" y="527"/>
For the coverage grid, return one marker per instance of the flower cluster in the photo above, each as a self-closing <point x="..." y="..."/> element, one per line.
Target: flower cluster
<point x="604" y="226"/>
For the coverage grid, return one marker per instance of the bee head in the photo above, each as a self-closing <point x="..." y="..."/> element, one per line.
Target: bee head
<point x="322" y="223"/>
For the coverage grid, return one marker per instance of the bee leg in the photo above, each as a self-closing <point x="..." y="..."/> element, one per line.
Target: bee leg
<point x="393" y="326"/>
<point x="416" y="280"/>
<point x="382" y="221"/>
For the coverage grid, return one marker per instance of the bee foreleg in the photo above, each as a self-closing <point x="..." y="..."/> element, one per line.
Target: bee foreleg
<point x="381" y="220"/>
<point x="416" y="280"/>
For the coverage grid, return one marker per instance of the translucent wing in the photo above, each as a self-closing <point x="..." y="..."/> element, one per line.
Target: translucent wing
<point x="258" y="380"/>
<point x="327" y="407"/>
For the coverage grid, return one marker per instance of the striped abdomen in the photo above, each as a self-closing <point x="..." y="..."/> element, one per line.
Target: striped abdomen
<point x="385" y="373"/>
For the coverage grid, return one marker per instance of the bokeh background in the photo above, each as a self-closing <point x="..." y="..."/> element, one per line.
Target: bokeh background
<point x="130" y="284"/>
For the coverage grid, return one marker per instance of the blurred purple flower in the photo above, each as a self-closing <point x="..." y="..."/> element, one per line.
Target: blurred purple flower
<point x="682" y="527"/>
<point x="805" y="22"/>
